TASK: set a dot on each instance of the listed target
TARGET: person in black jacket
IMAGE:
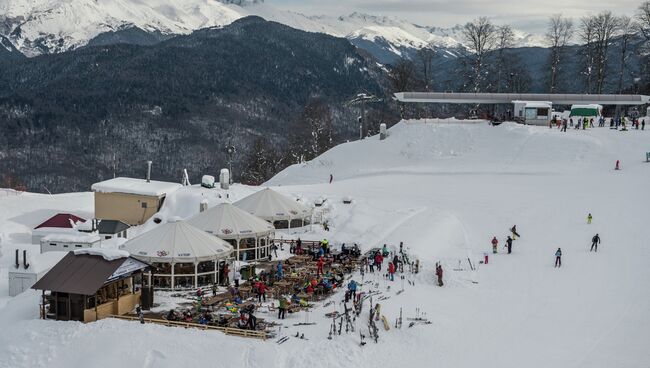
(509, 244)
(594, 243)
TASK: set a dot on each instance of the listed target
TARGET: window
(65, 245)
(53, 244)
(107, 237)
(78, 245)
(144, 204)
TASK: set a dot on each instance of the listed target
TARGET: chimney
(25, 259)
(17, 262)
(149, 171)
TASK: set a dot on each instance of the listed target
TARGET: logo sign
(162, 253)
(226, 231)
(183, 255)
(293, 212)
(245, 231)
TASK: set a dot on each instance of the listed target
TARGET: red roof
(61, 220)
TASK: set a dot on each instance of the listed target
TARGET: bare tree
(587, 31)
(481, 36)
(626, 29)
(425, 62)
(505, 39)
(606, 26)
(643, 19)
(558, 36)
(402, 78)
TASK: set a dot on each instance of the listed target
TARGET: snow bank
(107, 254)
(71, 237)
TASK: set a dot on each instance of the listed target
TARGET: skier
(617, 167)
(515, 235)
(558, 257)
(509, 244)
(495, 242)
(594, 243)
(282, 307)
(331, 178)
(391, 271)
(564, 125)
(378, 260)
(226, 275)
(439, 273)
(319, 266)
(237, 277)
(352, 288)
(384, 251)
(589, 218)
(396, 262)
(298, 246)
(261, 291)
(643, 124)
(280, 272)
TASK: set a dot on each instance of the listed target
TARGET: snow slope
(445, 190)
(50, 26)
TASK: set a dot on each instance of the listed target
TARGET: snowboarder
(589, 218)
(282, 307)
(617, 167)
(514, 232)
(439, 273)
(558, 257)
(391, 271)
(509, 244)
(594, 243)
(495, 242)
(331, 178)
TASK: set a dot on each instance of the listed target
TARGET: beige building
(132, 201)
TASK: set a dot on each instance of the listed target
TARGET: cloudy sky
(526, 15)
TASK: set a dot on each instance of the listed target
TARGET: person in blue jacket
(558, 257)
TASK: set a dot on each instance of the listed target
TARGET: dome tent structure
(249, 235)
(183, 255)
(278, 209)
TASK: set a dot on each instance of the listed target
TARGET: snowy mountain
(51, 26)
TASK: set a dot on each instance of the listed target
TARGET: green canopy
(584, 111)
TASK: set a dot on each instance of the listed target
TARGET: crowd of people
(588, 122)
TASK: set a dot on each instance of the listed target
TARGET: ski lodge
(529, 108)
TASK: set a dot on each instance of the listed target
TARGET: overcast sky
(527, 15)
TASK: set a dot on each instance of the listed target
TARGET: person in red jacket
(319, 265)
(378, 260)
(261, 291)
(495, 242)
(391, 271)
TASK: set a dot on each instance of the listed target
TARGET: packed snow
(136, 186)
(444, 190)
(107, 254)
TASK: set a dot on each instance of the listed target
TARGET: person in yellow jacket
(589, 218)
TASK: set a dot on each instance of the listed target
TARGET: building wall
(125, 207)
(58, 246)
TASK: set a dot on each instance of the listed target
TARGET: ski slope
(445, 190)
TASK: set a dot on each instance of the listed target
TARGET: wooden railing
(226, 330)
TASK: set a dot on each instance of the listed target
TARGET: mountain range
(37, 27)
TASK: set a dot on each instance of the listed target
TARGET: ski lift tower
(360, 100)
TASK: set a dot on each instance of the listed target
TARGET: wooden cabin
(91, 284)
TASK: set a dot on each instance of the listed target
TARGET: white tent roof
(177, 242)
(271, 206)
(229, 222)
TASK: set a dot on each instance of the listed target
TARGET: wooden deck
(226, 330)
